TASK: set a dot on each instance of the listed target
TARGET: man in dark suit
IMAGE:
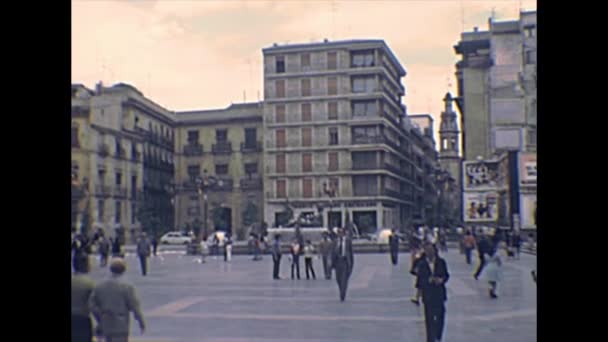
(276, 257)
(342, 261)
(393, 243)
(325, 247)
(432, 276)
(143, 252)
(483, 248)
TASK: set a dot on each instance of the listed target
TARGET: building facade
(335, 135)
(225, 144)
(122, 146)
(450, 161)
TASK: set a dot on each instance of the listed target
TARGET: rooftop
(235, 110)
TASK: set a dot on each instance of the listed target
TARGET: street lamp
(203, 185)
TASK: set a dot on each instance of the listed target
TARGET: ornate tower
(449, 157)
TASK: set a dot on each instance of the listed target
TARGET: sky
(205, 54)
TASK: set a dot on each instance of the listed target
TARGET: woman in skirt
(493, 272)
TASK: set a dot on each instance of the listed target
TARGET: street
(185, 301)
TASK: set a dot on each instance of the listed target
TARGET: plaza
(186, 301)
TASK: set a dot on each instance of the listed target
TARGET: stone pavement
(186, 301)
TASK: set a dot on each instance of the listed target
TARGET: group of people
(335, 250)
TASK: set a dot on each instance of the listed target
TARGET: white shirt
(431, 265)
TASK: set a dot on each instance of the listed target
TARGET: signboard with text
(527, 168)
(480, 206)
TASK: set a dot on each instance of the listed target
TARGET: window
(364, 108)
(118, 148)
(100, 210)
(306, 112)
(133, 186)
(133, 151)
(305, 87)
(334, 183)
(75, 142)
(361, 59)
(363, 84)
(305, 59)
(280, 137)
(307, 188)
(333, 135)
(365, 185)
(530, 31)
(194, 171)
(280, 163)
(279, 111)
(192, 137)
(221, 169)
(280, 64)
(363, 160)
(307, 162)
(250, 137)
(133, 212)
(251, 168)
(221, 135)
(332, 86)
(101, 175)
(117, 212)
(530, 57)
(332, 61)
(365, 134)
(281, 188)
(280, 88)
(118, 178)
(306, 136)
(333, 161)
(332, 111)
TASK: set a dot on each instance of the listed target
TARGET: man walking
(143, 251)
(432, 276)
(104, 251)
(276, 257)
(393, 242)
(342, 261)
(468, 244)
(112, 301)
(325, 247)
(154, 245)
(483, 248)
(82, 288)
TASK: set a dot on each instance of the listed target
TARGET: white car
(175, 238)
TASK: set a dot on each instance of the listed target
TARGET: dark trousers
(326, 267)
(308, 264)
(154, 248)
(434, 315)
(103, 260)
(295, 264)
(482, 264)
(276, 262)
(342, 275)
(467, 253)
(82, 329)
(394, 256)
(143, 261)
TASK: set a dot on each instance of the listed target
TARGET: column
(379, 216)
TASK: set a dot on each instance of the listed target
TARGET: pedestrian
(393, 243)
(483, 247)
(325, 247)
(116, 250)
(493, 271)
(468, 243)
(414, 271)
(432, 276)
(104, 251)
(112, 302)
(154, 245)
(343, 261)
(82, 288)
(460, 232)
(295, 258)
(143, 252)
(415, 246)
(443, 240)
(276, 257)
(228, 249)
(216, 246)
(516, 240)
(309, 252)
(204, 250)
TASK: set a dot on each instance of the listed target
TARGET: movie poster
(528, 211)
(480, 206)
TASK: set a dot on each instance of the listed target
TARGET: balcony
(103, 150)
(364, 166)
(121, 153)
(254, 183)
(193, 150)
(368, 140)
(226, 185)
(251, 148)
(136, 157)
(102, 190)
(391, 193)
(222, 148)
(120, 192)
(392, 168)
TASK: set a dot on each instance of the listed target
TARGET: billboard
(487, 174)
(527, 168)
(528, 211)
(480, 206)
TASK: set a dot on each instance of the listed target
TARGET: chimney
(475, 29)
(98, 88)
(325, 40)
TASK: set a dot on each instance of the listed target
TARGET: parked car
(175, 238)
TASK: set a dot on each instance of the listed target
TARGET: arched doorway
(222, 219)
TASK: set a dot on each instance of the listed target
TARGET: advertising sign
(527, 168)
(481, 206)
(528, 211)
(484, 174)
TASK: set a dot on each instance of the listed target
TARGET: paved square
(185, 301)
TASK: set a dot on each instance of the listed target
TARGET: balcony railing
(226, 185)
(391, 193)
(103, 150)
(120, 192)
(365, 166)
(254, 183)
(102, 190)
(222, 148)
(255, 147)
(392, 168)
(193, 150)
(377, 139)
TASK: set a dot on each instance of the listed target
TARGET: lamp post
(203, 185)
(330, 191)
